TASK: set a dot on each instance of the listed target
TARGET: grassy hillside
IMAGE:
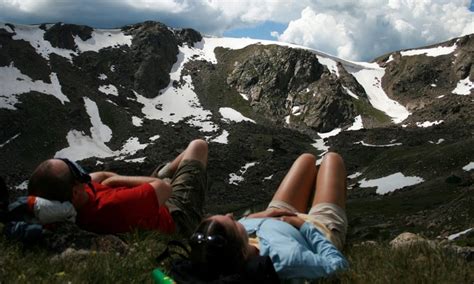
(370, 263)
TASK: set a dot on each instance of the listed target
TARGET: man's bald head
(52, 180)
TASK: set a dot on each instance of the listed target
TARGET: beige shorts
(329, 218)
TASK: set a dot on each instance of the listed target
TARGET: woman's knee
(307, 158)
(333, 157)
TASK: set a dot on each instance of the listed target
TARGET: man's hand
(271, 213)
(295, 221)
(162, 189)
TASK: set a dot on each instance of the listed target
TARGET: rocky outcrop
(154, 49)
(424, 84)
(289, 84)
(63, 35)
(188, 36)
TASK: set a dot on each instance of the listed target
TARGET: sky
(351, 29)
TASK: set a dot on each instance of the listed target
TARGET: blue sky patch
(260, 31)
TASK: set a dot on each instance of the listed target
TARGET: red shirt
(121, 209)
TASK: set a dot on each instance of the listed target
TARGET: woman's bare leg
(298, 184)
(331, 181)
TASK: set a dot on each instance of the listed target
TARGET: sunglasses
(213, 240)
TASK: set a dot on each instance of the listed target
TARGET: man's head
(54, 179)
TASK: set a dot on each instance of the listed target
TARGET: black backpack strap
(168, 252)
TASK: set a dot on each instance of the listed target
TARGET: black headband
(77, 171)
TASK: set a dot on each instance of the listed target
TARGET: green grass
(365, 109)
(368, 264)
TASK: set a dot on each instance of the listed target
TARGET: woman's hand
(295, 221)
(273, 212)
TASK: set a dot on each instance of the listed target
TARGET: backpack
(257, 270)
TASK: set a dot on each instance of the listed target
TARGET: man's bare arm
(162, 189)
(99, 177)
(127, 181)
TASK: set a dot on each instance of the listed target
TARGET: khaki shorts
(329, 218)
(186, 203)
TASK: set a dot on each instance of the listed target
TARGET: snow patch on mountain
(103, 39)
(155, 137)
(429, 123)
(433, 52)
(136, 121)
(390, 59)
(380, 145)
(177, 104)
(230, 114)
(82, 146)
(136, 160)
(320, 144)
(9, 140)
(35, 36)
(441, 140)
(330, 64)
(109, 90)
(464, 87)
(371, 81)
(100, 39)
(391, 183)
(236, 178)
(14, 83)
(350, 93)
(469, 167)
(222, 139)
(131, 147)
(357, 123)
(452, 237)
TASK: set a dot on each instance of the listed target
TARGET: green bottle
(161, 278)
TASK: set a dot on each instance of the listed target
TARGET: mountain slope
(126, 100)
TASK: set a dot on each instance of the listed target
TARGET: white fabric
(49, 211)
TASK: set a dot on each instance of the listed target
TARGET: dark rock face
(154, 50)
(424, 84)
(62, 35)
(188, 36)
(284, 82)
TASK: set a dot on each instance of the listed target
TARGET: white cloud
(362, 30)
(357, 30)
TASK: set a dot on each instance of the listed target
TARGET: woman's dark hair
(220, 252)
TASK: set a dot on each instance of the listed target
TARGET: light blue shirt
(303, 253)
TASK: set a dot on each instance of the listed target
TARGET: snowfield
(391, 183)
(14, 83)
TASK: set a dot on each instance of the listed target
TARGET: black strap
(168, 252)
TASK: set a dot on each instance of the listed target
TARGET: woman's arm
(324, 256)
(272, 212)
